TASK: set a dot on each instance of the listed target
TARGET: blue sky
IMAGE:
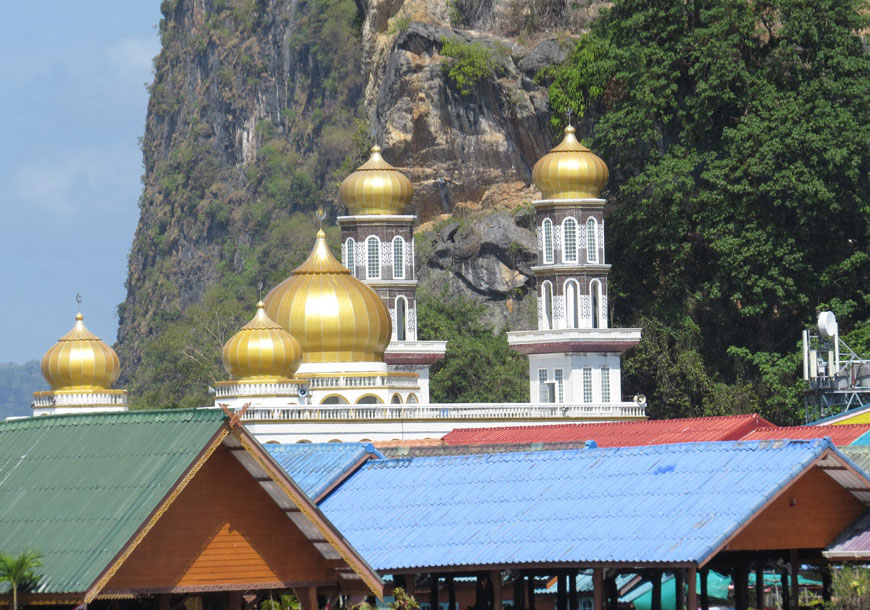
(73, 104)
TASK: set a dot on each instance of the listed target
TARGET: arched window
(595, 301)
(373, 258)
(547, 304)
(547, 237)
(369, 399)
(396, 400)
(569, 240)
(334, 400)
(398, 258)
(401, 318)
(350, 255)
(591, 240)
(412, 399)
(572, 304)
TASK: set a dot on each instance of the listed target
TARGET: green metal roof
(860, 455)
(75, 488)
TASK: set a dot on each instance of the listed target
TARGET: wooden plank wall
(808, 515)
(222, 530)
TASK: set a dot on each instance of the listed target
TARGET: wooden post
(519, 591)
(705, 600)
(741, 584)
(234, 600)
(411, 585)
(496, 584)
(598, 589)
(451, 594)
(307, 597)
(786, 602)
(827, 582)
(163, 601)
(572, 591)
(795, 566)
(434, 601)
(759, 585)
(561, 592)
(531, 587)
(612, 593)
(680, 588)
(656, 603)
(692, 596)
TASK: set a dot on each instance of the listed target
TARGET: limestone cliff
(259, 107)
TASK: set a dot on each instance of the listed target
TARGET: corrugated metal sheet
(859, 455)
(854, 543)
(839, 435)
(672, 503)
(76, 487)
(315, 467)
(617, 434)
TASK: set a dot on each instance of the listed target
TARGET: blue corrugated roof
(317, 466)
(665, 503)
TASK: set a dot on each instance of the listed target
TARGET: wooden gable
(223, 532)
(808, 514)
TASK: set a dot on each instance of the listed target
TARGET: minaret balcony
(567, 340)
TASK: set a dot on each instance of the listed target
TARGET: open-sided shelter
(511, 517)
(143, 505)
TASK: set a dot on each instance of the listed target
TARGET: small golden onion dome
(336, 317)
(80, 362)
(570, 171)
(261, 351)
(376, 187)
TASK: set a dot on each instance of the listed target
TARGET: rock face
(258, 109)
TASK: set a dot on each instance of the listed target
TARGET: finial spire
(78, 303)
(568, 114)
(260, 290)
(321, 215)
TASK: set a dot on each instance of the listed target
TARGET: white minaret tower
(573, 356)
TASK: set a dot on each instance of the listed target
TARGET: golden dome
(376, 187)
(335, 316)
(261, 351)
(80, 362)
(570, 171)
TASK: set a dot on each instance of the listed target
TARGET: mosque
(332, 354)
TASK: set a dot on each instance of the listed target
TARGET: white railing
(45, 400)
(447, 411)
(228, 389)
(364, 381)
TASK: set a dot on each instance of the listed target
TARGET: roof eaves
(350, 555)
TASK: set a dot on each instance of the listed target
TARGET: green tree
(479, 365)
(19, 571)
(738, 138)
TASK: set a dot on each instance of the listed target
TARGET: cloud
(133, 55)
(82, 179)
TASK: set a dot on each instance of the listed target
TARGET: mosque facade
(332, 353)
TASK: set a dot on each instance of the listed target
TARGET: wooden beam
(759, 585)
(656, 603)
(451, 594)
(561, 592)
(786, 603)
(573, 602)
(496, 583)
(794, 565)
(434, 602)
(598, 589)
(827, 582)
(307, 597)
(531, 587)
(692, 596)
(705, 599)
(680, 588)
(519, 591)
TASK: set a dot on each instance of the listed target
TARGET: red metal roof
(618, 434)
(839, 435)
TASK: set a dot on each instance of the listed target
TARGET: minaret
(573, 356)
(378, 248)
(80, 369)
(261, 359)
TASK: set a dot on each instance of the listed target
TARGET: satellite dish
(827, 324)
(640, 399)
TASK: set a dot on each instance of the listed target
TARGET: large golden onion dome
(334, 316)
(376, 187)
(261, 351)
(80, 362)
(570, 171)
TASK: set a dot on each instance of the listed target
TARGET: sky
(72, 109)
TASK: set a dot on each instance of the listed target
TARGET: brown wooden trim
(347, 473)
(254, 586)
(106, 575)
(311, 512)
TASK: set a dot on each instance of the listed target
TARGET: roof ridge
(73, 419)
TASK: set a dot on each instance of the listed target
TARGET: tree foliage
(20, 572)
(738, 138)
(479, 366)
